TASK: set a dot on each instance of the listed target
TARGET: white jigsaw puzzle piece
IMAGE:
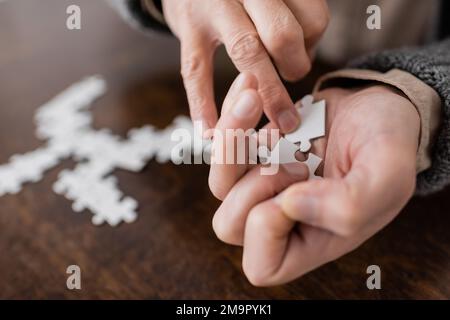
(27, 167)
(312, 125)
(92, 192)
(283, 152)
(313, 162)
(65, 122)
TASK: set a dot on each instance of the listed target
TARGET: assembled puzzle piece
(89, 191)
(313, 163)
(283, 152)
(312, 125)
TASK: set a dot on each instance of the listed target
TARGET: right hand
(260, 37)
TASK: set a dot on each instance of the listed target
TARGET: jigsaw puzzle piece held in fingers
(312, 115)
(283, 152)
(313, 162)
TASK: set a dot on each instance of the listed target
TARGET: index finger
(197, 53)
(247, 52)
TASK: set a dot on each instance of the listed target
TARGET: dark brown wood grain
(171, 250)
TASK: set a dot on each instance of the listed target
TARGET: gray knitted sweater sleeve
(431, 64)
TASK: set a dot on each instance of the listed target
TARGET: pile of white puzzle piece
(65, 123)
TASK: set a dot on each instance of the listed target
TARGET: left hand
(289, 226)
(267, 38)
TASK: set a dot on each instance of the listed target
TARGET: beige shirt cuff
(425, 99)
(149, 5)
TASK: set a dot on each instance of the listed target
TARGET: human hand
(260, 36)
(369, 175)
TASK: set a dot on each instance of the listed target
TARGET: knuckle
(278, 43)
(318, 25)
(226, 231)
(245, 49)
(272, 93)
(282, 36)
(255, 276)
(298, 71)
(256, 218)
(216, 188)
(220, 229)
(191, 65)
(304, 68)
(226, 234)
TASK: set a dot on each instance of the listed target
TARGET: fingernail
(245, 106)
(288, 120)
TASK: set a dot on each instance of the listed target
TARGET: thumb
(375, 187)
(327, 204)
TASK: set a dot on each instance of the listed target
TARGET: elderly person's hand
(289, 226)
(262, 37)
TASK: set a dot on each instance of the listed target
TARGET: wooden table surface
(171, 250)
